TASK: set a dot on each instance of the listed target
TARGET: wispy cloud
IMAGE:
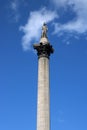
(79, 22)
(32, 29)
(15, 6)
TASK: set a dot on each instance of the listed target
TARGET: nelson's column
(44, 49)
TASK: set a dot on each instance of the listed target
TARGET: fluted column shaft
(43, 112)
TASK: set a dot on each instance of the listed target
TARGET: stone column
(44, 49)
(43, 112)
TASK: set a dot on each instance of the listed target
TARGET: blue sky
(20, 27)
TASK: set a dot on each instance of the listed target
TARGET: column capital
(43, 50)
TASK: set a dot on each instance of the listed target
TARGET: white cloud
(59, 3)
(14, 6)
(79, 23)
(32, 30)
